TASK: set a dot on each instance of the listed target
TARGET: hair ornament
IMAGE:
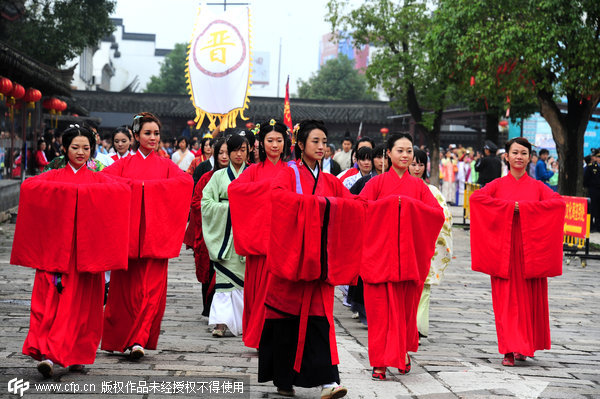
(256, 129)
(207, 135)
(136, 126)
(295, 133)
(75, 125)
(272, 122)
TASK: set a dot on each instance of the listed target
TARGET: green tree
(402, 66)
(171, 78)
(336, 80)
(533, 49)
(55, 31)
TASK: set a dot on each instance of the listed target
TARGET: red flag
(287, 115)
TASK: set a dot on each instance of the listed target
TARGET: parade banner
(287, 114)
(576, 217)
(218, 66)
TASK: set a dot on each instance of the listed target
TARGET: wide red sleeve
(195, 221)
(402, 239)
(165, 211)
(250, 207)
(295, 240)
(491, 229)
(44, 232)
(345, 229)
(420, 225)
(542, 227)
(102, 226)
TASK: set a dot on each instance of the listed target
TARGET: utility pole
(279, 68)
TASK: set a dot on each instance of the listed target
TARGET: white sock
(330, 385)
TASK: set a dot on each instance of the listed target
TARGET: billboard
(261, 61)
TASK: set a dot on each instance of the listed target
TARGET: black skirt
(277, 352)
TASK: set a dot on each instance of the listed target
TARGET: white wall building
(122, 61)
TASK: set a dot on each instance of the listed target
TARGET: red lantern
(191, 123)
(6, 86)
(61, 106)
(384, 130)
(249, 125)
(17, 91)
(32, 96)
(54, 104)
(472, 80)
(503, 123)
(47, 103)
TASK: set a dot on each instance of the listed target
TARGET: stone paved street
(459, 359)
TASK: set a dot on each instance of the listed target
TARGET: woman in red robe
(205, 272)
(394, 275)
(297, 345)
(70, 241)
(161, 194)
(121, 140)
(520, 221)
(249, 204)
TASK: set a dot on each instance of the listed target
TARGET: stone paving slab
(459, 359)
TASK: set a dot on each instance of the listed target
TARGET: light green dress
(441, 258)
(227, 305)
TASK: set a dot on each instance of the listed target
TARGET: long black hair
(305, 127)
(217, 144)
(420, 156)
(273, 126)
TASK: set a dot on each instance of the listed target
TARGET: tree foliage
(171, 78)
(55, 31)
(336, 80)
(522, 50)
(402, 65)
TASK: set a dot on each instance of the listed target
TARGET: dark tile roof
(161, 52)
(260, 108)
(147, 37)
(30, 73)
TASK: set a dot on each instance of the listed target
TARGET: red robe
(396, 262)
(250, 207)
(70, 226)
(303, 272)
(350, 172)
(527, 248)
(160, 205)
(193, 235)
(115, 157)
(40, 160)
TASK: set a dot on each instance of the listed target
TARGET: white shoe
(334, 392)
(355, 315)
(137, 352)
(46, 368)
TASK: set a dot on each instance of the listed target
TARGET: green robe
(216, 229)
